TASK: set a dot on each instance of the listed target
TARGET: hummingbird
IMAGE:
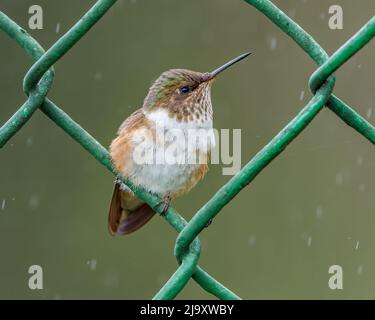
(179, 99)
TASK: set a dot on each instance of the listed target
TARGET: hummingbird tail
(132, 221)
(127, 214)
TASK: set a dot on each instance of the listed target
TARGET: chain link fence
(39, 80)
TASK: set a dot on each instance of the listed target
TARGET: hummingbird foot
(208, 223)
(166, 202)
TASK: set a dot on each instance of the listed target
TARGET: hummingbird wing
(127, 213)
(115, 210)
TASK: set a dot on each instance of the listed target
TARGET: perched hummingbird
(179, 99)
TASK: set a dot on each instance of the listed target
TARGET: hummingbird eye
(184, 89)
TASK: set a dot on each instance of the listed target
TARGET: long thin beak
(228, 64)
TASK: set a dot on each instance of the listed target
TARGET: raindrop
(362, 187)
(34, 202)
(58, 28)
(3, 204)
(357, 245)
(252, 240)
(272, 43)
(92, 264)
(322, 15)
(302, 95)
(319, 212)
(360, 269)
(369, 113)
(339, 179)
(359, 160)
(309, 240)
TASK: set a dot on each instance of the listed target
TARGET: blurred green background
(313, 207)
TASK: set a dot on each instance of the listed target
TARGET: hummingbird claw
(166, 202)
(208, 223)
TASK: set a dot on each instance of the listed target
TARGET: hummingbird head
(184, 94)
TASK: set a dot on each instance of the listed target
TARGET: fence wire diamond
(39, 79)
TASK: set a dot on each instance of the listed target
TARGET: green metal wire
(316, 52)
(12, 126)
(279, 142)
(351, 47)
(38, 91)
(39, 78)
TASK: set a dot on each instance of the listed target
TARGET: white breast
(176, 157)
